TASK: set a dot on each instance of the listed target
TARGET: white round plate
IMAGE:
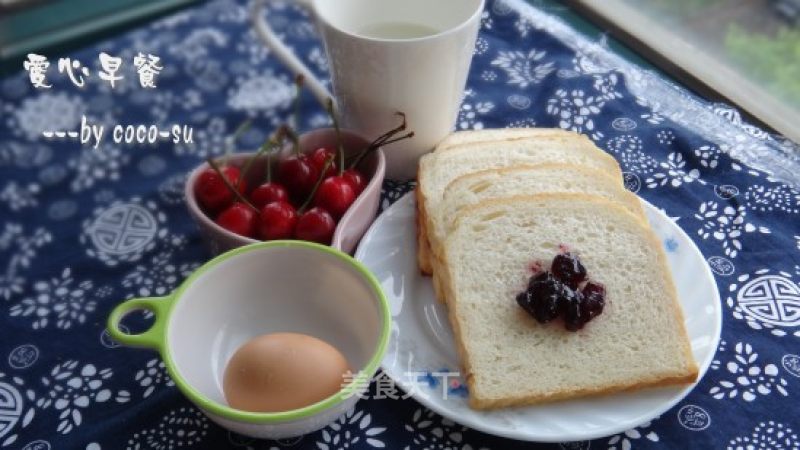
(422, 356)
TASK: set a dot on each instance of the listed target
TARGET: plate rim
(515, 433)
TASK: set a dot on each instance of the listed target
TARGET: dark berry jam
(568, 268)
(545, 297)
(555, 293)
(594, 300)
(574, 319)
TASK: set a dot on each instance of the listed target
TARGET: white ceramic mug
(387, 56)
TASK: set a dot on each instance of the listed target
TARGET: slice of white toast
(476, 187)
(511, 359)
(502, 134)
(460, 138)
(438, 169)
(556, 178)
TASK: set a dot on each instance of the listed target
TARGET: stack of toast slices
(492, 203)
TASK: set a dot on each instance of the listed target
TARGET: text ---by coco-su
(94, 134)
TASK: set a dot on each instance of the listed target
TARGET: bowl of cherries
(322, 186)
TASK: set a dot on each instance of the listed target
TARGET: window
(748, 51)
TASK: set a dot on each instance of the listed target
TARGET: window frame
(689, 64)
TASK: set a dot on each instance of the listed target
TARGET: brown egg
(283, 371)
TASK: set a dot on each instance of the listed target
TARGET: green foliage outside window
(771, 60)
(679, 9)
(768, 53)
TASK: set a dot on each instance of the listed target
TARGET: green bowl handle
(152, 338)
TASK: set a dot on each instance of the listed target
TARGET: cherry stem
(339, 145)
(298, 82)
(290, 133)
(408, 135)
(269, 167)
(384, 139)
(228, 184)
(386, 142)
(325, 168)
(240, 130)
(273, 144)
(380, 140)
(266, 147)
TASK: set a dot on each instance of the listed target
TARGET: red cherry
(320, 156)
(335, 195)
(356, 179)
(277, 221)
(268, 193)
(315, 225)
(298, 175)
(211, 192)
(238, 218)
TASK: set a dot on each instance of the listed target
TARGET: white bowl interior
(268, 290)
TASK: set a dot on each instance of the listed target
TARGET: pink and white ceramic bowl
(352, 225)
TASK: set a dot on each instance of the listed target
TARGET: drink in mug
(387, 56)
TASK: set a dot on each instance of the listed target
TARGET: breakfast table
(82, 228)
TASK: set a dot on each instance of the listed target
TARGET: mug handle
(289, 59)
(153, 338)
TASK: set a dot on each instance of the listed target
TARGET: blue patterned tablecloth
(82, 229)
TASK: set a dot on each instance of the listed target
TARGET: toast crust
(543, 165)
(630, 200)
(578, 140)
(658, 380)
(430, 246)
(489, 404)
(480, 137)
(423, 246)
